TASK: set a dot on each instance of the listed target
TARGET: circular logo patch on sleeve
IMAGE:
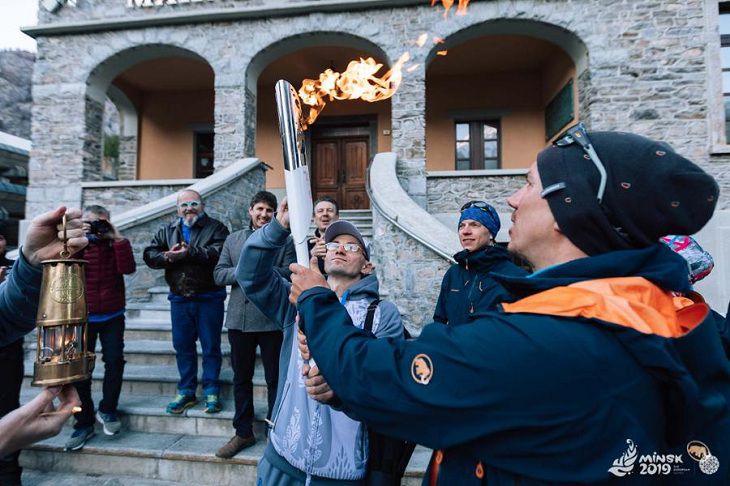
(422, 369)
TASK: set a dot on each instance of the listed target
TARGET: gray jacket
(312, 437)
(242, 315)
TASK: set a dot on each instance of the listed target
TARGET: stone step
(160, 380)
(146, 413)
(159, 352)
(148, 311)
(33, 477)
(186, 459)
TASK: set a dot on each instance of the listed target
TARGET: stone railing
(226, 195)
(411, 249)
(449, 190)
(119, 196)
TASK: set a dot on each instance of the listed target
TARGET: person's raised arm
(20, 292)
(255, 273)
(450, 386)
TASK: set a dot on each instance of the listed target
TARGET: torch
(296, 169)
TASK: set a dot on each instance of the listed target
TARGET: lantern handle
(65, 253)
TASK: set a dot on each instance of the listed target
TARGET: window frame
(476, 141)
(197, 167)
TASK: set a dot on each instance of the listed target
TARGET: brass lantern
(62, 356)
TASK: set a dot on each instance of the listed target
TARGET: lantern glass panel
(52, 342)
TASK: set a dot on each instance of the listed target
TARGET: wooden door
(339, 167)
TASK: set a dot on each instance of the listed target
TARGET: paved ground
(38, 478)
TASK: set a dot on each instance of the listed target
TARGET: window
(203, 155)
(725, 59)
(477, 145)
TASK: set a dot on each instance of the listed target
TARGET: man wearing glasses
(188, 250)
(309, 442)
(594, 369)
(467, 287)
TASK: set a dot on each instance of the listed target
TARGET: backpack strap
(370, 317)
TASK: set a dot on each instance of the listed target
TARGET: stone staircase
(155, 446)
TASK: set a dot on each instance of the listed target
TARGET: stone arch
(99, 86)
(288, 45)
(568, 41)
(103, 73)
(301, 56)
(503, 75)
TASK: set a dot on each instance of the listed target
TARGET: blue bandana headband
(488, 217)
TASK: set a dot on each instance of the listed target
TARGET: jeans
(243, 362)
(111, 335)
(11, 379)
(192, 320)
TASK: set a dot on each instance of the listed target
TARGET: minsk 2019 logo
(625, 464)
(664, 464)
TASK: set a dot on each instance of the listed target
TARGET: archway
(503, 91)
(346, 135)
(165, 99)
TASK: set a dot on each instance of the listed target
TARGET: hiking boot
(234, 446)
(79, 437)
(212, 404)
(181, 403)
(110, 421)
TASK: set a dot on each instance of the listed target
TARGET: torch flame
(358, 81)
(460, 10)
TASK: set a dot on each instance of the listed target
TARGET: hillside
(16, 71)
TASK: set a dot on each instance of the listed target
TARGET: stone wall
(446, 194)
(229, 205)
(119, 198)
(409, 273)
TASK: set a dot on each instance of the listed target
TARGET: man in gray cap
(311, 443)
(592, 373)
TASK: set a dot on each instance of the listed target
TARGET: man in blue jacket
(592, 374)
(467, 287)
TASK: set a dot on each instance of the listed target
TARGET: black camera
(99, 227)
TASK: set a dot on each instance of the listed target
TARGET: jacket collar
(482, 259)
(656, 263)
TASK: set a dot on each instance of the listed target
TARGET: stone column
(60, 149)
(233, 130)
(408, 107)
(127, 158)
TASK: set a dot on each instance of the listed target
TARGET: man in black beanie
(594, 372)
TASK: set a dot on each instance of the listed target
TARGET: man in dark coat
(467, 287)
(248, 327)
(109, 256)
(592, 374)
(188, 250)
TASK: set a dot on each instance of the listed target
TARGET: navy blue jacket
(540, 396)
(467, 287)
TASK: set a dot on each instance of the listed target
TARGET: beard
(189, 222)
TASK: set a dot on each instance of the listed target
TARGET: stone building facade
(652, 68)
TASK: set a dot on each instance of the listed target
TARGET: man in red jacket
(109, 257)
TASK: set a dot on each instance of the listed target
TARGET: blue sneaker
(79, 437)
(212, 404)
(110, 421)
(181, 403)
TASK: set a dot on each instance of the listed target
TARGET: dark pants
(11, 379)
(192, 320)
(243, 362)
(111, 335)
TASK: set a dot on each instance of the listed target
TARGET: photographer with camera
(109, 257)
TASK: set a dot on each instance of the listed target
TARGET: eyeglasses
(577, 134)
(333, 246)
(476, 204)
(189, 204)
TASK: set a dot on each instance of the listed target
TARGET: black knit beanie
(651, 191)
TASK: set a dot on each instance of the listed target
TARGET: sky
(13, 15)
